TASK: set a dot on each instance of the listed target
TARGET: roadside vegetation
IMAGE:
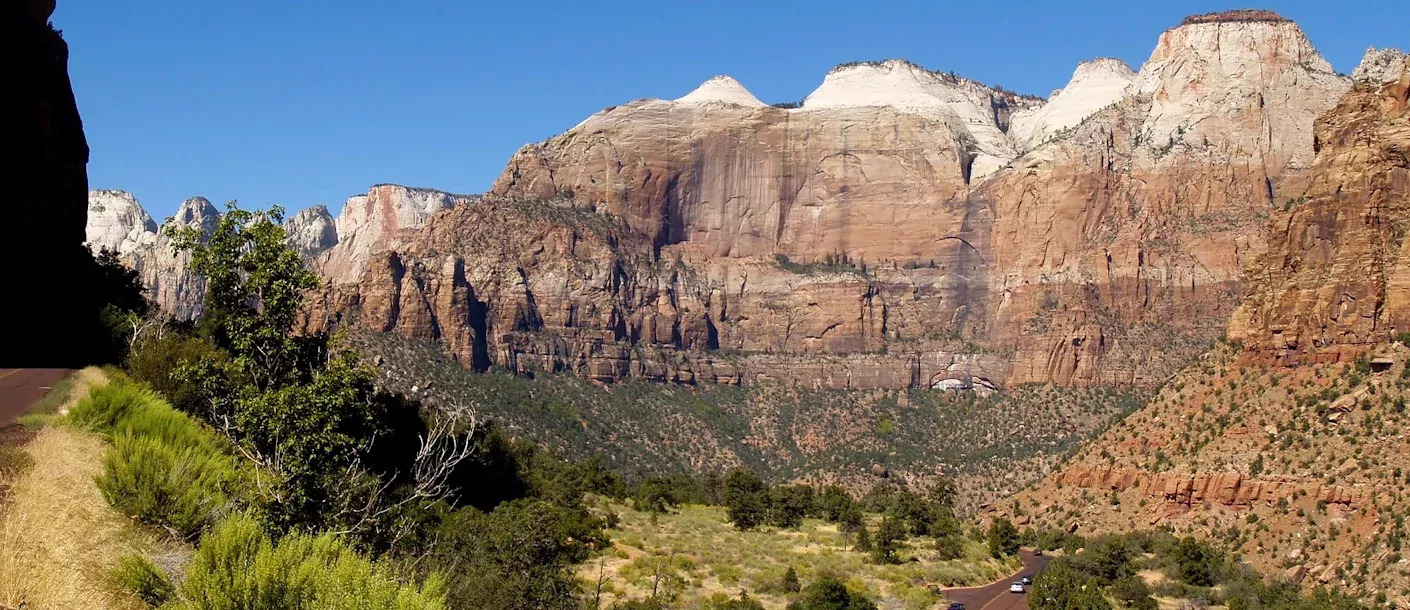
(1148, 570)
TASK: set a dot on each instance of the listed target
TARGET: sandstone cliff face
(1099, 237)
(383, 218)
(1336, 276)
(554, 287)
(312, 232)
(1127, 236)
(116, 221)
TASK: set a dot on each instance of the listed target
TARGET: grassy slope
(58, 536)
(992, 445)
(707, 556)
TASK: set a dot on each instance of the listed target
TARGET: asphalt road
(19, 388)
(996, 596)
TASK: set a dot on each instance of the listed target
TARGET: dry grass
(58, 537)
(694, 554)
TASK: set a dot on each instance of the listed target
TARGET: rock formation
(379, 220)
(44, 158)
(1336, 275)
(383, 218)
(1095, 85)
(312, 231)
(1097, 237)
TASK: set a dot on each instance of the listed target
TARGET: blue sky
(309, 101)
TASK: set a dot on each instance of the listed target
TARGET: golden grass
(59, 538)
(699, 555)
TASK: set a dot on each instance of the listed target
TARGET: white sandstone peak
(1381, 66)
(1095, 84)
(721, 89)
(1232, 67)
(197, 212)
(904, 86)
(116, 221)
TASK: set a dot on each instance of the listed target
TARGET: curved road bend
(996, 596)
(19, 388)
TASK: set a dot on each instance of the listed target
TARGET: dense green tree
(1109, 558)
(828, 593)
(887, 543)
(746, 498)
(1060, 586)
(516, 556)
(790, 580)
(1198, 563)
(1003, 538)
(1133, 592)
(788, 504)
(833, 502)
(949, 537)
(654, 495)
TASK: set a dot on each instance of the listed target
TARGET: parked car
(1026, 580)
(1037, 552)
(956, 606)
(1017, 587)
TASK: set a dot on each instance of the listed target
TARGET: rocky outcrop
(383, 218)
(49, 303)
(312, 231)
(556, 287)
(1097, 238)
(1127, 236)
(1228, 489)
(117, 222)
(1095, 85)
(1336, 276)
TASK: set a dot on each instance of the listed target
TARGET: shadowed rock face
(45, 157)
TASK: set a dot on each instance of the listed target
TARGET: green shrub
(165, 468)
(140, 575)
(108, 404)
(236, 566)
(828, 593)
(183, 488)
(156, 361)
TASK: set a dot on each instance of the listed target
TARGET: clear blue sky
(309, 101)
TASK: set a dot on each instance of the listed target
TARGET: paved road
(19, 388)
(996, 596)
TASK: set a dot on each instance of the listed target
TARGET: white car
(1016, 587)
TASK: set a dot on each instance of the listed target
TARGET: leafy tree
(345, 456)
(944, 492)
(654, 496)
(1003, 538)
(1109, 558)
(787, 504)
(255, 285)
(790, 580)
(516, 556)
(949, 537)
(886, 545)
(1134, 593)
(828, 593)
(833, 502)
(745, 497)
(1198, 563)
(1060, 586)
